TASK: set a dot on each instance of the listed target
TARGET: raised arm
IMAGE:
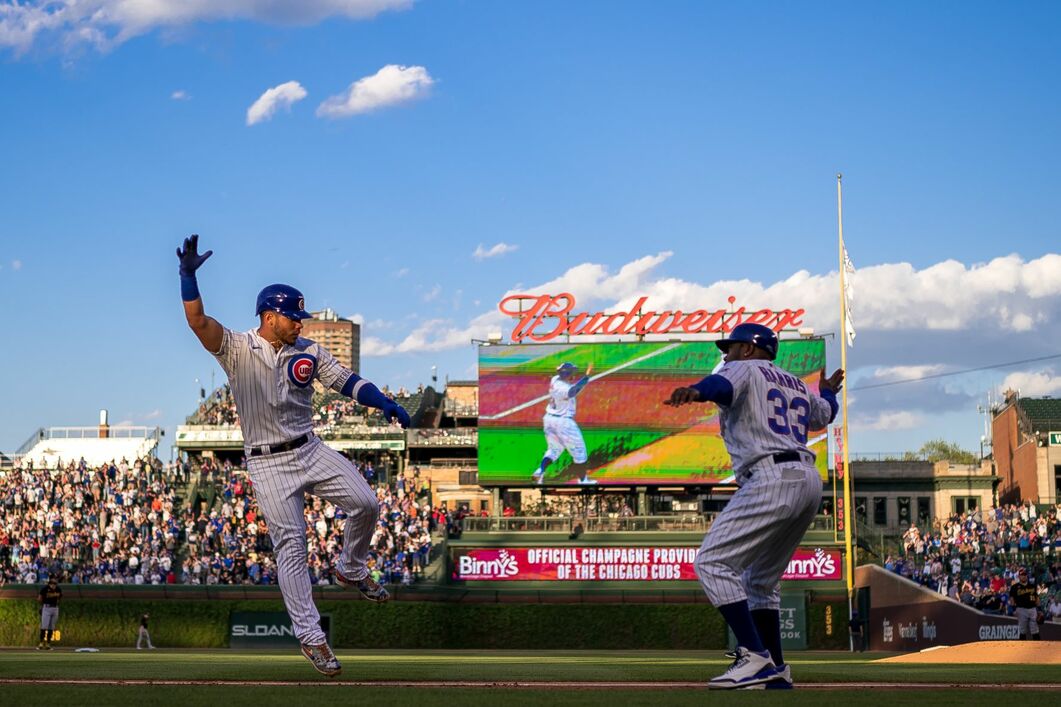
(577, 387)
(207, 329)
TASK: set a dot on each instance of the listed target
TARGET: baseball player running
(1024, 597)
(765, 416)
(561, 430)
(270, 370)
(49, 597)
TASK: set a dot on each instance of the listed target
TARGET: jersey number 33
(787, 416)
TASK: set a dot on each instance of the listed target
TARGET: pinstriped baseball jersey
(273, 389)
(772, 411)
(559, 401)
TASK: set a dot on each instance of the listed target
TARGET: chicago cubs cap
(284, 300)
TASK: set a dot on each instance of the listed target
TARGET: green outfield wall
(183, 623)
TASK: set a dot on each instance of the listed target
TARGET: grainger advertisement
(616, 420)
(610, 564)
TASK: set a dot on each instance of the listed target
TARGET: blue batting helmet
(284, 300)
(755, 334)
(566, 369)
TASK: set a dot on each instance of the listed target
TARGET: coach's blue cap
(284, 300)
(755, 334)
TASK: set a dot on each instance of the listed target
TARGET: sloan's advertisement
(610, 564)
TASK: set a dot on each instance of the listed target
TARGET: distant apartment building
(341, 337)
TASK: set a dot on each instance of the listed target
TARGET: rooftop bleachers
(60, 445)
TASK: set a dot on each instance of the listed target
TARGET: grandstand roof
(1043, 413)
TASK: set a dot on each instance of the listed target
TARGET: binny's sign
(595, 564)
(543, 318)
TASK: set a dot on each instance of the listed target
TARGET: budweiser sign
(545, 317)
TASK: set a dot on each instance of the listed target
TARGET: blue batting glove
(394, 410)
(190, 258)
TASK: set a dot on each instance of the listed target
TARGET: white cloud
(890, 421)
(1032, 384)
(107, 23)
(180, 95)
(906, 373)
(402, 272)
(154, 414)
(948, 297)
(16, 265)
(433, 293)
(389, 86)
(282, 96)
(493, 251)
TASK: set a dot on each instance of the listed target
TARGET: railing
(605, 524)
(123, 432)
(358, 432)
(455, 409)
(565, 524)
(457, 437)
(30, 443)
(888, 457)
(461, 463)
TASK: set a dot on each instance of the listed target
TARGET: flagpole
(849, 558)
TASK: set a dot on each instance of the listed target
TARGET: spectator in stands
(111, 524)
(976, 557)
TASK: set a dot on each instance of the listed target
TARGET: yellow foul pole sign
(849, 558)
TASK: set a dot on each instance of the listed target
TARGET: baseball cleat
(748, 669)
(369, 588)
(323, 659)
(783, 681)
(586, 481)
(538, 476)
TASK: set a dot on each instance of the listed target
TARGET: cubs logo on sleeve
(301, 369)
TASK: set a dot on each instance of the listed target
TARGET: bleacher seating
(53, 452)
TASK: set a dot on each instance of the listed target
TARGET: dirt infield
(529, 685)
(993, 652)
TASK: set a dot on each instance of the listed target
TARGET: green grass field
(809, 669)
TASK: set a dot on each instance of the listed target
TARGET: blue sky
(584, 134)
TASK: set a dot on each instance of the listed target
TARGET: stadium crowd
(975, 557)
(330, 409)
(113, 524)
(229, 544)
(124, 523)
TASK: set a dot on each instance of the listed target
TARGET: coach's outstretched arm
(209, 332)
(714, 388)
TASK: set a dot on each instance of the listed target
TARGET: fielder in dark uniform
(49, 598)
(1024, 595)
(144, 634)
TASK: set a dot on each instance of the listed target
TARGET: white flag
(849, 294)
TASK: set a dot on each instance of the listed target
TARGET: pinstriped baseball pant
(750, 543)
(280, 483)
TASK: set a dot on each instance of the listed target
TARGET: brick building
(1026, 439)
(341, 337)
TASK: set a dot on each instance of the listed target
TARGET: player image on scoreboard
(571, 414)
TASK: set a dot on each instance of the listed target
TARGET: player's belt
(277, 448)
(784, 457)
